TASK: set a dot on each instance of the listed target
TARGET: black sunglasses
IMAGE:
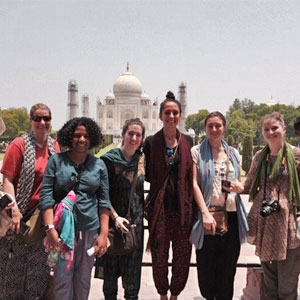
(39, 118)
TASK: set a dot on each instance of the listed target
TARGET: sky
(221, 50)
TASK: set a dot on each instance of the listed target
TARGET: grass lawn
(107, 148)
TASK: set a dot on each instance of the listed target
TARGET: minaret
(73, 105)
(182, 100)
(85, 105)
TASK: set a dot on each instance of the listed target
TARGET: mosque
(126, 101)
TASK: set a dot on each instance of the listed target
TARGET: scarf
(294, 188)
(116, 156)
(206, 175)
(26, 180)
(157, 170)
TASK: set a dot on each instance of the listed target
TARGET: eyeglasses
(40, 118)
(77, 136)
(170, 153)
(168, 112)
(132, 134)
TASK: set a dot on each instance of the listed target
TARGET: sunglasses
(170, 153)
(39, 118)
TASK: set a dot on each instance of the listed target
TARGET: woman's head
(215, 125)
(40, 118)
(133, 133)
(170, 110)
(273, 127)
(80, 129)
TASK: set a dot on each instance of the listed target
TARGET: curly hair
(65, 134)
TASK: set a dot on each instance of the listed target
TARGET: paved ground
(191, 291)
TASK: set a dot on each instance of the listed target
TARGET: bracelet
(116, 218)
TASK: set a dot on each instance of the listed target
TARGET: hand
(101, 244)
(16, 217)
(120, 224)
(235, 187)
(53, 238)
(209, 222)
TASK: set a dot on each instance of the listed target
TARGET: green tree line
(243, 118)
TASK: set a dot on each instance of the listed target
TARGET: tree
(16, 121)
(230, 140)
(196, 121)
(247, 153)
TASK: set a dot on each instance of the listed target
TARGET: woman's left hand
(235, 187)
(101, 244)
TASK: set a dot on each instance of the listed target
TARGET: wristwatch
(49, 227)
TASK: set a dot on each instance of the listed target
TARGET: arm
(8, 187)
(119, 221)
(101, 242)
(47, 202)
(104, 211)
(208, 220)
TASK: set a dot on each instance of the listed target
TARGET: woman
(63, 171)
(122, 163)
(23, 270)
(170, 209)
(274, 175)
(217, 253)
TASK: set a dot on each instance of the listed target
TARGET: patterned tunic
(274, 234)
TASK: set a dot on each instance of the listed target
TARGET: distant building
(182, 99)
(271, 102)
(125, 102)
(85, 105)
(73, 106)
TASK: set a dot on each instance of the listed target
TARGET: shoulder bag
(123, 243)
(220, 213)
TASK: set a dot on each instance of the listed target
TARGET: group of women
(189, 187)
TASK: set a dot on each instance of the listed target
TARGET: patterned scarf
(26, 180)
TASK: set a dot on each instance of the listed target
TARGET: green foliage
(16, 121)
(230, 140)
(247, 153)
(196, 121)
(196, 139)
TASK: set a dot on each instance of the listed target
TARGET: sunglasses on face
(39, 118)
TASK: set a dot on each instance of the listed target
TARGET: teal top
(92, 191)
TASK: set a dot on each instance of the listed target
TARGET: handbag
(220, 213)
(124, 243)
(34, 220)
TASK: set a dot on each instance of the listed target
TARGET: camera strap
(227, 172)
(283, 161)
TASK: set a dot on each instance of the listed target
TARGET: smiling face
(214, 128)
(133, 138)
(41, 121)
(170, 115)
(81, 140)
(273, 131)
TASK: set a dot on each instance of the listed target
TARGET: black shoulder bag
(124, 243)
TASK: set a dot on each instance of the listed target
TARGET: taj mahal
(126, 101)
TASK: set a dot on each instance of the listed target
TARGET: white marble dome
(127, 85)
(110, 95)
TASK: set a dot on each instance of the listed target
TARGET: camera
(269, 206)
(226, 183)
(5, 200)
